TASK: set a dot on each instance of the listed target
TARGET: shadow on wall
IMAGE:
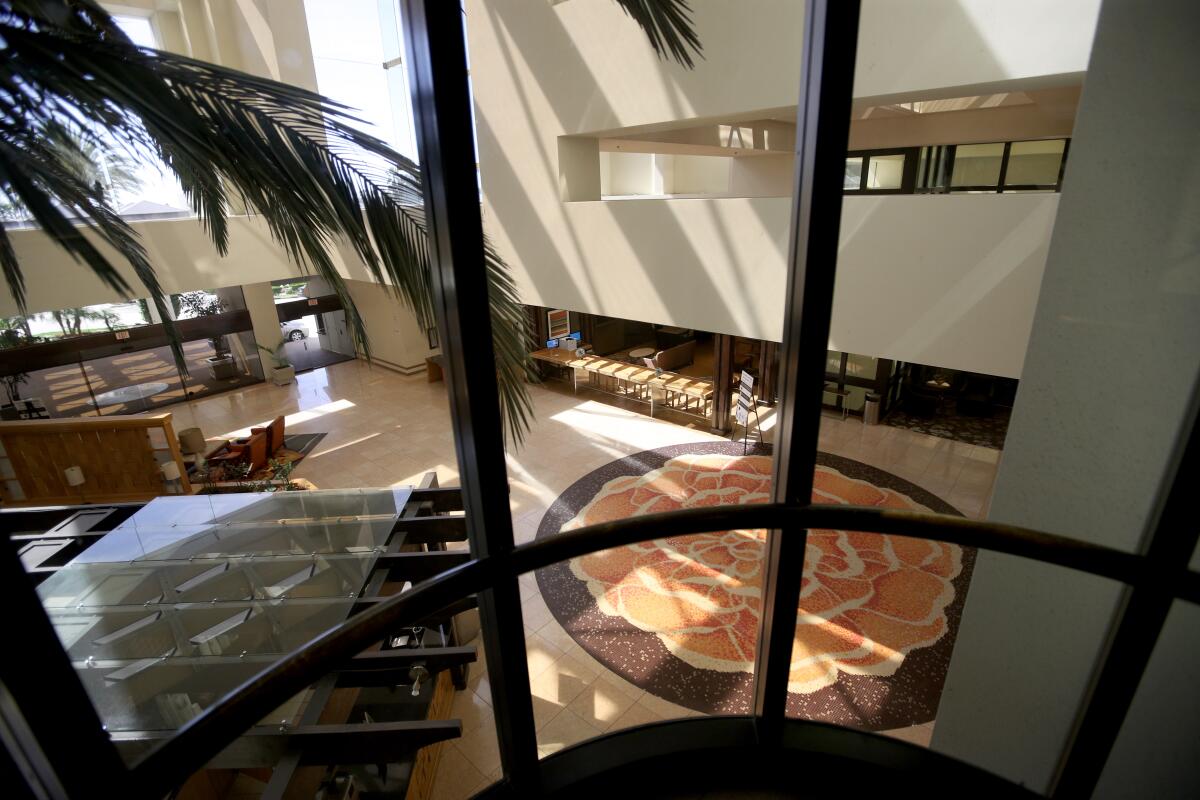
(693, 264)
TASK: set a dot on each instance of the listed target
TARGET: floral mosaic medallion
(679, 616)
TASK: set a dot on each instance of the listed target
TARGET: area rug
(983, 431)
(679, 616)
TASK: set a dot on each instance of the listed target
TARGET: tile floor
(384, 429)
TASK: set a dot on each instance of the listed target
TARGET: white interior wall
(762, 176)
(264, 320)
(702, 175)
(541, 72)
(944, 280)
(180, 250)
(630, 173)
(396, 337)
(1104, 403)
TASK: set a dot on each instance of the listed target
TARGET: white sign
(745, 398)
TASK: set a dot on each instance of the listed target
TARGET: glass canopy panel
(192, 595)
(229, 509)
(165, 693)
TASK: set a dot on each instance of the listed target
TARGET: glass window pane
(861, 366)
(833, 362)
(853, 179)
(1034, 163)
(885, 172)
(977, 164)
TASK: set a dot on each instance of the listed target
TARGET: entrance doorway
(317, 340)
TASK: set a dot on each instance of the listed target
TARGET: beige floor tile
(540, 654)
(917, 734)
(536, 613)
(481, 749)
(473, 710)
(457, 776)
(602, 702)
(554, 633)
(562, 681)
(664, 708)
(637, 714)
(564, 730)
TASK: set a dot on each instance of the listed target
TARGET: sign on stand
(745, 398)
(745, 405)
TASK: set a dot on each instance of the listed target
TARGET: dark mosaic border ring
(909, 697)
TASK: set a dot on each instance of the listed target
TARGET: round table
(641, 352)
(127, 394)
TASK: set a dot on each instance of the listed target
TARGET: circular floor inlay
(679, 616)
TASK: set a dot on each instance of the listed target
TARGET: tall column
(1112, 364)
(264, 319)
(722, 382)
(768, 372)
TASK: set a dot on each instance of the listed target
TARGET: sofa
(675, 357)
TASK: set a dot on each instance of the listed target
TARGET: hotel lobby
(582, 678)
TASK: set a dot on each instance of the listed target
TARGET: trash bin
(871, 409)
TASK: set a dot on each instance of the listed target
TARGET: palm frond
(668, 26)
(290, 155)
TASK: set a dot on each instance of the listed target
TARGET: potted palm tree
(282, 373)
(291, 156)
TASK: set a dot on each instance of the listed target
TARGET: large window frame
(908, 179)
(935, 170)
(75, 764)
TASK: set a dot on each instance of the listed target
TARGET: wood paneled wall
(121, 459)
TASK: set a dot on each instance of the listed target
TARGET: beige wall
(762, 176)
(397, 339)
(264, 319)
(179, 249)
(945, 280)
(541, 72)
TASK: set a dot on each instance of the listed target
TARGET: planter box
(282, 376)
(222, 368)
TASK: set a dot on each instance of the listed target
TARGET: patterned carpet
(985, 431)
(679, 616)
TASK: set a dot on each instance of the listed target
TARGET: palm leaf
(290, 155)
(668, 26)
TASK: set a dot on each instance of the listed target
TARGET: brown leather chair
(274, 433)
(252, 450)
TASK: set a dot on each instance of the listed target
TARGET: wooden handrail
(83, 424)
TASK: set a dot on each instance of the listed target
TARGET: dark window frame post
(822, 131)
(435, 37)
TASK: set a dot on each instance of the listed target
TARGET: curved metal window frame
(435, 36)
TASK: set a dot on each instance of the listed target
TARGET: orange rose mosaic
(867, 600)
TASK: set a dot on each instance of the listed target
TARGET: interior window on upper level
(885, 172)
(1036, 163)
(977, 165)
(853, 179)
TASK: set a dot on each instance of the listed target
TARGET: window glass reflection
(885, 172)
(1034, 163)
(977, 165)
(853, 178)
